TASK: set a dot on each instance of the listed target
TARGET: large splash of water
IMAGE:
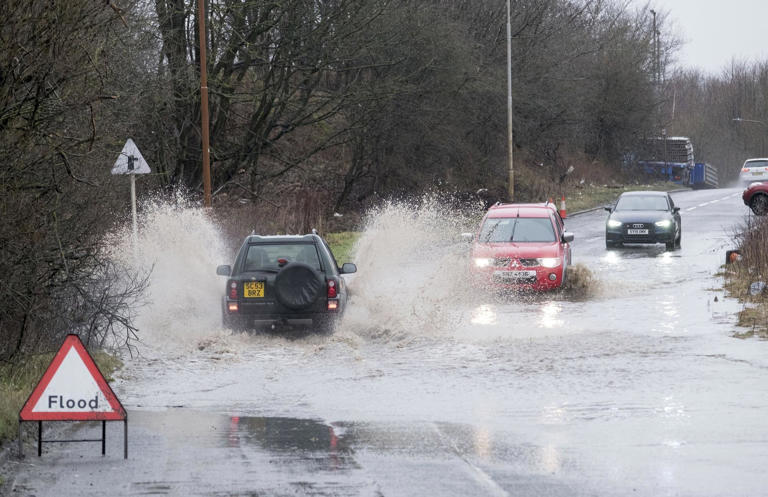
(180, 246)
(413, 269)
(412, 280)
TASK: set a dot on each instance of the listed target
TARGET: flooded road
(634, 387)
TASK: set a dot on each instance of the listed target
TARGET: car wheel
(679, 241)
(759, 204)
(298, 285)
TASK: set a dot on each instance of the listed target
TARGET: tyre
(298, 286)
(759, 204)
(679, 241)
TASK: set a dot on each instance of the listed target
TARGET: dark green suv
(284, 280)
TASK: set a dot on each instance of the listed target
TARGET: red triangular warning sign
(72, 389)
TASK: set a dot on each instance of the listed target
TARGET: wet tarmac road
(636, 388)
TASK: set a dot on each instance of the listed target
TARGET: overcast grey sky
(716, 32)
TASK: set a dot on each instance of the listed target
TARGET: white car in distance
(753, 170)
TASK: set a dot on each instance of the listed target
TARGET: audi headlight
(612, 223)
(483, 261)
(665, 223)
(549, 262)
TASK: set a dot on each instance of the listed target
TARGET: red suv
(521, 246)
(756, 197)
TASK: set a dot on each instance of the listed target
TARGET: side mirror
(609, 208)
(467, 237)
(676, 209)
(567, 237)
(224, 270)
(348, 268)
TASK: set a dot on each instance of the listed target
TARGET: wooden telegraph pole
(510, 145)
(204, 104)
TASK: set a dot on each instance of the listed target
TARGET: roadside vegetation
(743, 277)
(342, 244)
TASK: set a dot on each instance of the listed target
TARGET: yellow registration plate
(253, 289)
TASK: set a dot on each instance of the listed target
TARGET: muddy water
(630, 383)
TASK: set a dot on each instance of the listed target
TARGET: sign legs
(103, 439)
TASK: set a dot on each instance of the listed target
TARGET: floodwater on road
(431, 388)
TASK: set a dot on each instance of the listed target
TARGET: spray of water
(180, 245)
(413, 270)
(412, 279)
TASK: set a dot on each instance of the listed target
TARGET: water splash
(412, 269)
(181, 247)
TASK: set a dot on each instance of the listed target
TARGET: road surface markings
(712, 201)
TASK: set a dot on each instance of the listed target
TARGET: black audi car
(643, 217)
(278, 280)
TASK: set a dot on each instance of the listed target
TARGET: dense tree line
(725, 115)
(347, 99)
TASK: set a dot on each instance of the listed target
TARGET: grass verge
(342, 244)
(17, 381)
(583, 197)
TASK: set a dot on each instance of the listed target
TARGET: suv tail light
(232, 289)
(745, 170)
(332, 292)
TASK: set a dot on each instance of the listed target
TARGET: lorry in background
(671, 159)
(667, 158)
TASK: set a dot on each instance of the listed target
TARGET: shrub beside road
(745, 278)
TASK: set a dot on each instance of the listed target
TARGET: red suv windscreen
(517, 229)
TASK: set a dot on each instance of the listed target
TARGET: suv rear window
(264, 257)
(517, 229)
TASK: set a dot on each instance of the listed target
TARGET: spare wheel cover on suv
(298, 285)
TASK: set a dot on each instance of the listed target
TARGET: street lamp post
(762, 136)
(510, 143)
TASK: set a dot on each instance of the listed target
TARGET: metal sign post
(133, 208)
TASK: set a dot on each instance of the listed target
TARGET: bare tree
(56, 81)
